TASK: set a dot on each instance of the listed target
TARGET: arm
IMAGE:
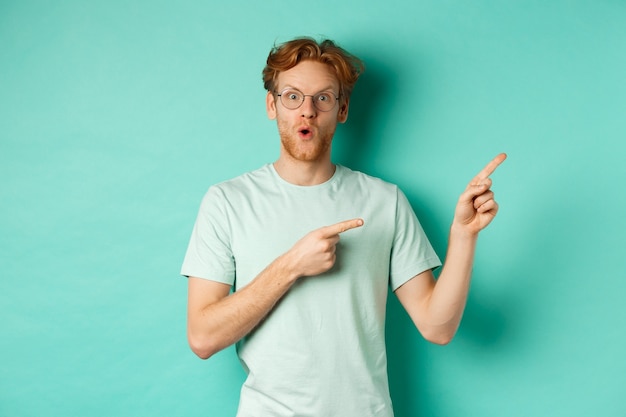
(436, 306)
(216, 320)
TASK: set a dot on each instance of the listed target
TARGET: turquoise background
(116, 116)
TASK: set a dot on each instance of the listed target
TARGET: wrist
(462, 232)
(286, 268)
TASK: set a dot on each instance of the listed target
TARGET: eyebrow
(327, 89)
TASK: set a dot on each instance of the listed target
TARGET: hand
(476, 207)
(314, 254)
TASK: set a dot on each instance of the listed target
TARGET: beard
(311, 150)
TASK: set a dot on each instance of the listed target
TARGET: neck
(304, 173)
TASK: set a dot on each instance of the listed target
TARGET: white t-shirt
(321, 351)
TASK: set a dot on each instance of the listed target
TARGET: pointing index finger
(341, 227)
(489, 168)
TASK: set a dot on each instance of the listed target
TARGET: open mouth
(305, 132)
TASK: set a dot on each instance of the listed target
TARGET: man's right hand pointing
(314, 254)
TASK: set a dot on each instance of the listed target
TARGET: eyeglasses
(293, 99)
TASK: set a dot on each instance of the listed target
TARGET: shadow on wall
(358, 144)
(359, 138)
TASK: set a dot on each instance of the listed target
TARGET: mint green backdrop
(116, 116)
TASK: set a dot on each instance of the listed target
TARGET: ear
(342, 116)
(270, 105)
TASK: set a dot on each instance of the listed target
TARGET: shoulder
(244, 183)
(223, 195)
(368, 182)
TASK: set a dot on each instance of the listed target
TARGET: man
(308, 307)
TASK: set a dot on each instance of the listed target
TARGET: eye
(292, 96)
(324, 97)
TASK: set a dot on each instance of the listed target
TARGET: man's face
(306, 133)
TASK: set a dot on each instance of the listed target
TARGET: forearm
(217, 320)
(449, 295)
(436, 306)
(219, 324)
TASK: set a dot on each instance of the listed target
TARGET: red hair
(346, 67)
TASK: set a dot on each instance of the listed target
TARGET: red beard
(303, 147)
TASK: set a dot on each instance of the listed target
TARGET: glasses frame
(304, 96)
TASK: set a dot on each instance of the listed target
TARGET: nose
(307, 109)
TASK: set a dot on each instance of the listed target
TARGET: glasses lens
(292, 99)
(324, 101)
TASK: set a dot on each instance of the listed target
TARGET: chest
(268, 224)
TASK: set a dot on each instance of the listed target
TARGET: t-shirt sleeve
(411, 252)
(209, 254)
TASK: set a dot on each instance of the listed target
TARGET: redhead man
(292, 262)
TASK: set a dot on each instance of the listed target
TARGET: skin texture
(217, 318)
